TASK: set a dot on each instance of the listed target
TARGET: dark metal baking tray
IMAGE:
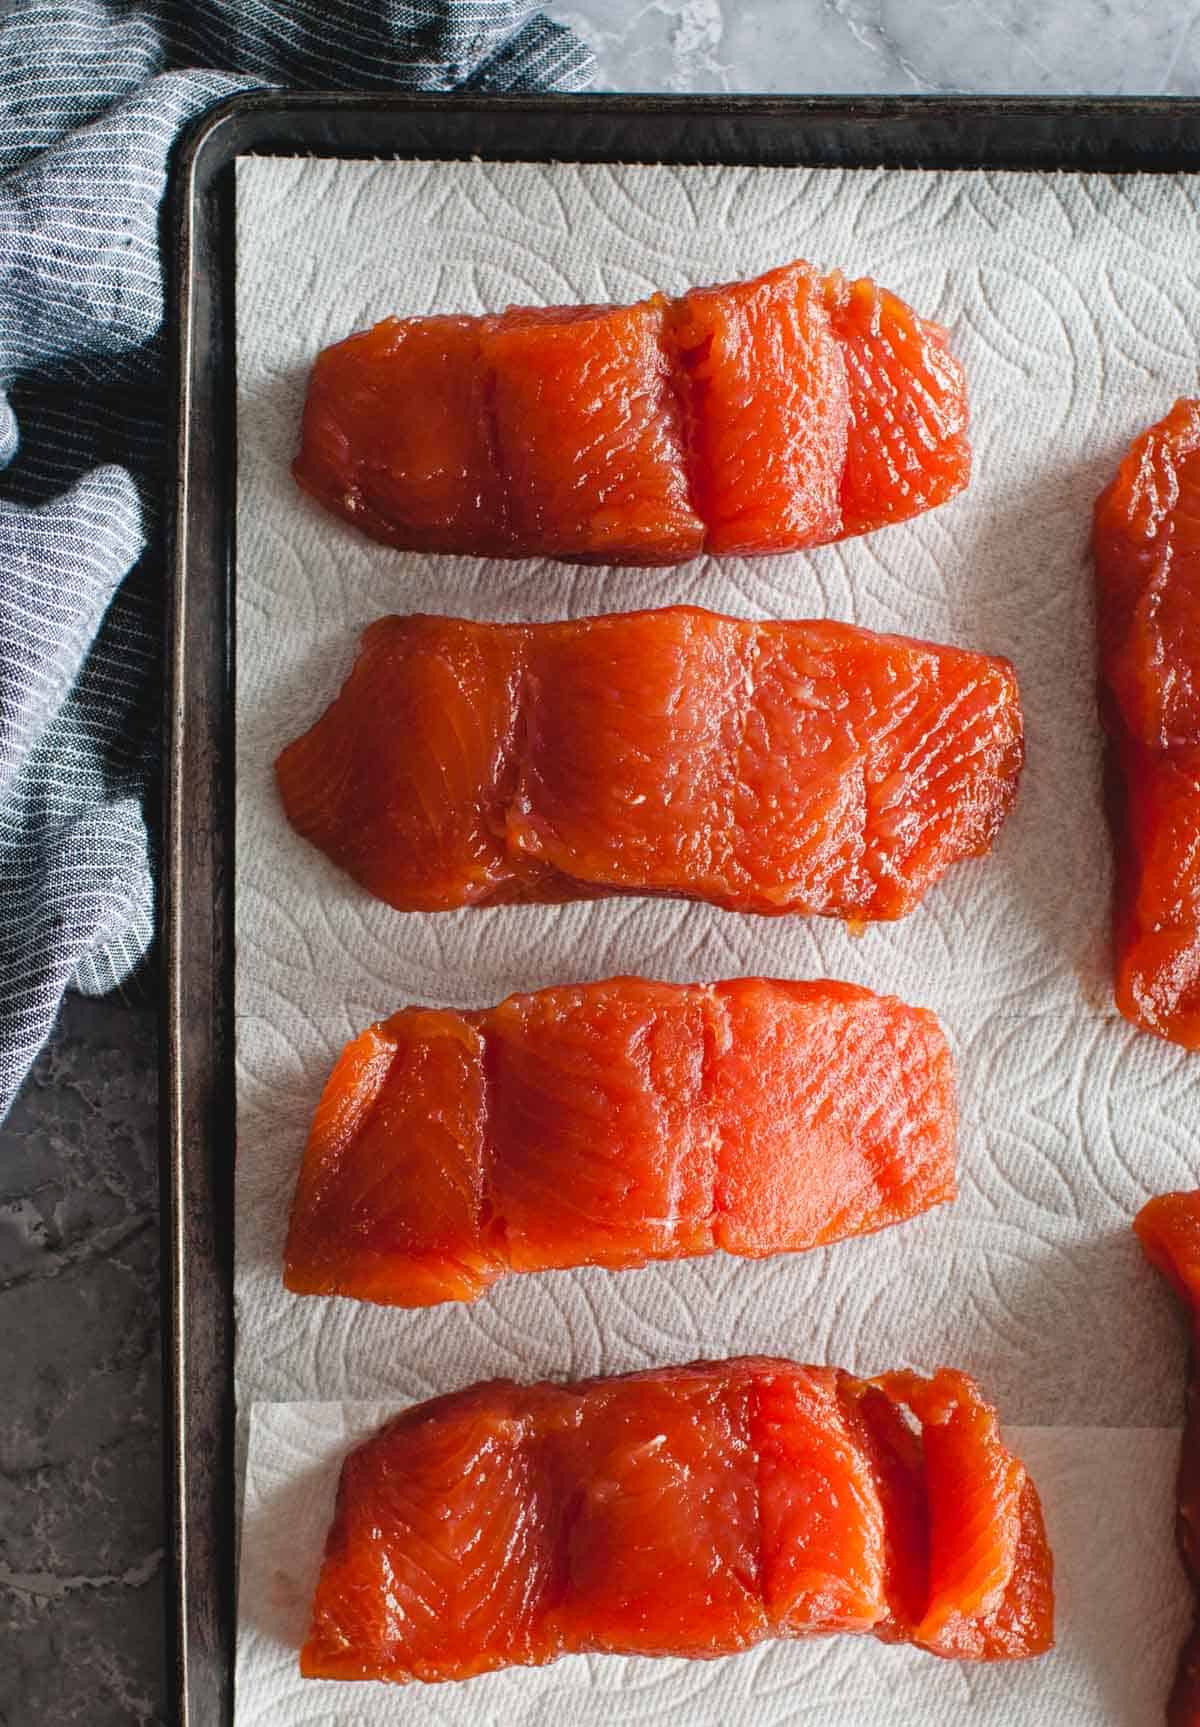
(1080, 134)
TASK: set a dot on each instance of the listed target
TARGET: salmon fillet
(1169, 1230)
(766, 767)
(613, 1124)
(690, 1511)
(1146, 549)
(906, 445)
(760, 416)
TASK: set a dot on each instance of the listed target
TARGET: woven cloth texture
(93, 96)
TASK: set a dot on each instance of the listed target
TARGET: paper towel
(1121, 1615)
(1074, 303)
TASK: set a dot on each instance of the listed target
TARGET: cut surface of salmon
(589, 435)
(1146, 549)
(426, 479)
(763, 384)
(600, 1150)
(440, 1558)
(906, 448)
(613, 1124)
(1168, 1228)
(983, 1520)
(822, 1517)
(753, 417)
(392, 1188)
(690, 1511)
(1154, 805)
(660, 1481)
(421, 761)
(807, 767)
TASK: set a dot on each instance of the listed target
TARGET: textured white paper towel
(1074, 303)
(1121, 1614)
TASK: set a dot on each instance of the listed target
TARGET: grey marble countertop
(901, 47)
(80, 1520)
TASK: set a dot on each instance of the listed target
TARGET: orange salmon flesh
(1146, 549)
(687, 1511)
(613, 1124)
(1169, 1230)
(761, 416)
(765, 767)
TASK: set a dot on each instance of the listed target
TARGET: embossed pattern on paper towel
(1073, 302)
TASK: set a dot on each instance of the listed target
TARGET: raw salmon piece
(630, 749)
(1146, 547)
(392, 1187)
(441, 1553)
(1169, 1230)
(598, 1144)
(890, 1442)
(990, 1573)
(416, 765)
(659, 1482)
(825, 1076)
(427, 481)
(589, 430)
(681, 1511)
(753, 417)
(764, 388)
(868, 765)
(1154, 809)
(1146, 550)
(766, 767)
(615, 1123)
(907, 448)
(821, 1516)
(769, 767)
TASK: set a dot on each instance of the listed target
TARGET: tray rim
(1104, 134)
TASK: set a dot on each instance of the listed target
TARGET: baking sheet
(1073, 301)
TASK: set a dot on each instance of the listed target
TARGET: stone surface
(80, 1496)
(900, 47)
(80, 1506)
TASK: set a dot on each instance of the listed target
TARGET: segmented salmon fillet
(616, 1123)
(688, 1511)
(1169, 1230)
(765, 767)
(1146, 545)
(759, 416)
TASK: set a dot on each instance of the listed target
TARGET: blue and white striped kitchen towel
(93, 94)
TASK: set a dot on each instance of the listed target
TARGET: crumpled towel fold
(92, 98)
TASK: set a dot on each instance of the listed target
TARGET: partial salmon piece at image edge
(689, 1511)
(1146, 549)
(760, 416)
(1169, 1230)
(613, 1124)
(803, 767)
